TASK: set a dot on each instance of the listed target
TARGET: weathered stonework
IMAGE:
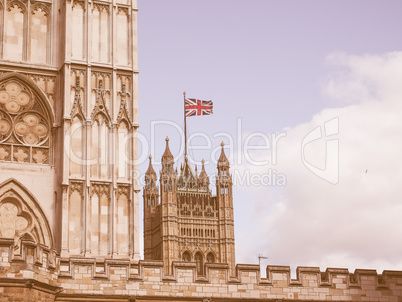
(69, 190)
(187, 223)
(40, 275)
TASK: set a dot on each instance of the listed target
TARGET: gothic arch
(186, 256)
(26, 120)
(20, 4)
(42, 97)
(199, 261)
(40, 6)
(211, 257)
(21, 216)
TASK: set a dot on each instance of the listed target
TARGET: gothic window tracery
(101, 26)
(21, 218)
(199, 263)
(24, 125)
(210, 257)
(186, 256)
(27, 31)
(39, 34)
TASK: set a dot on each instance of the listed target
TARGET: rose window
(24, 125)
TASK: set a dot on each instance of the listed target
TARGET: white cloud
(356, 223)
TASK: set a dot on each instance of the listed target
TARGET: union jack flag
(197, 107)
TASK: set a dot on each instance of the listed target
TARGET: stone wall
(37, 274)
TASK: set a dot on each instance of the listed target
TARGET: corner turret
(151, 202)
(224, 194)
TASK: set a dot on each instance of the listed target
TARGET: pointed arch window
(186, 256)
(210, 257)
(101, 33)
(39, 35)
(27, 32)
(15, 33)
(21, 218)
(199, 263)
(24, 124)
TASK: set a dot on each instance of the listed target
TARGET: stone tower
(68, 119)
(188, 223)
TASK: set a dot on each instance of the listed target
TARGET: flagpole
(185, 126)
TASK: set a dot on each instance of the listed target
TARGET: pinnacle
(167, 155)
(203, 174)
(223, 160)
(150, 170)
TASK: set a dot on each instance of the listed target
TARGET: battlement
(124, 279)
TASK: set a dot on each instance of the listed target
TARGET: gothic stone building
(69, 195)
(188, 223)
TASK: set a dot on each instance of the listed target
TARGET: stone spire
(203, 178)
(223, 160)
(167, 155)
(203, 175)
(150, 171)
(187, 177)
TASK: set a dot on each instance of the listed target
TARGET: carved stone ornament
(123, 190)
(77, 108)
(77, 186)
(123, 111)
(100, 189)
(100, 106)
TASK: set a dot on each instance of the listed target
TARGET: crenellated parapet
(40, 270)
(28, 265)
(146, 279)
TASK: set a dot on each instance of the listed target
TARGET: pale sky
(284, 68)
